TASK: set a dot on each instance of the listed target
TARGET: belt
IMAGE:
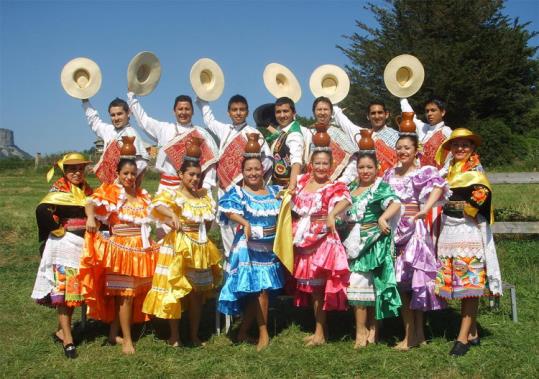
(281, 181)
(190, 227)
(126, 230)
(269, 231)
(74, 224)
(454, 209)
(410, 209)
(319, 218)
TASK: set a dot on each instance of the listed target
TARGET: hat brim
(81, 78)
(330, 81)
(472, 137)
(404, 75)
(281, 82)
(207, 79)
(143, 73)
(76, 161)
(264, 115)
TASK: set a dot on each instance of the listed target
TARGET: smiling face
(119, 116)
(127, 175)
(366, 171)
(238, 112)
(74, 173)
(461, 149)
(406, 151)
(434, 114)
(321, 165)
(377, 116)
(253, 173)
(284, 114)
(191, 178)
(183, 112)
(322, 113)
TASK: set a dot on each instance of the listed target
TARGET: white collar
(287, 127)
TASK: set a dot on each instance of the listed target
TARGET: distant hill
(8, 149)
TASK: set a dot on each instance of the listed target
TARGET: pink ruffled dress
(320, 260)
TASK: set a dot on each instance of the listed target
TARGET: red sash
(105, 169)
(175, 150)
(340, 159)
(430, 148)
(387, 157)
(229, 166)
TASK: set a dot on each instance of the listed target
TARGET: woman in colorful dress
(117, 267)
(61, 223)
(470, 267)
(373, 289)
(255, 271)
(419, 188)
(189, 264)
(320, 263)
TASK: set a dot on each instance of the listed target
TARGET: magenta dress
(416, 264)
(320, 260)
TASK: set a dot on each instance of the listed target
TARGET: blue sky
(39, 37)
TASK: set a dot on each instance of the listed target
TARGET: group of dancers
(396, 224)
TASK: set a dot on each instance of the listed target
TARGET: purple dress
(416, 264)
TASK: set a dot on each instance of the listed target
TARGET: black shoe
(70, 351)
(459, 349)
(474, 342)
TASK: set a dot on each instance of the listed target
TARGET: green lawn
(507, 350)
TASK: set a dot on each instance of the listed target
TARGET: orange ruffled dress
(120, 262)
(188, 260)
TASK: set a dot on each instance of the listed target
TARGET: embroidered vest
(387, 157)
(430, 148)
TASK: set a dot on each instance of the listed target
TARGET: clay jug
(321, 138)
(193, 147)
(406, 123)
(366, 142)
(128, 147)
(252, 146)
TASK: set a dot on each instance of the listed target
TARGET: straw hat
(207, 79)
(81, 78)
(330, 81)
(143, 73)
(281, 82)
(404, 75)
(455, 134)
(68, 159)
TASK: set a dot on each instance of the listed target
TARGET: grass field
(507, 350)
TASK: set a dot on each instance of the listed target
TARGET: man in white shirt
(165, 132)
(430, 134)
(289, 144)
(232, 139)
(385, 138)
(119, 115)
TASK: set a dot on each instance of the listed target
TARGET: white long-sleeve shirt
(297, 143)
(425, 130)
(163, 132)
(226, 133)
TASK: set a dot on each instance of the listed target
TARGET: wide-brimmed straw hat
(68, 159)
(81, 78)
(404, 75)
(207, 79)
(143, 73)
(330, 81)
(281, 82)
(456, 134)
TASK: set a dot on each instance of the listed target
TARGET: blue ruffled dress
(253, 266)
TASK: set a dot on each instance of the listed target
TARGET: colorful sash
(229, 166)
(105, 169)
(429, 150)
(176, 148)
(387, 157)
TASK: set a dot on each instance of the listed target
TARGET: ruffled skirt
(184, 265)
(322, 268)
(416, 265)
(116, 266)
(372, 282)
(253, 268)
(56, 282)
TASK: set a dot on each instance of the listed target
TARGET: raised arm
(345, 124)
(151, 126)
(97, 125)
(220, 129)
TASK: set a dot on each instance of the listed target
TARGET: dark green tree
(475, 57)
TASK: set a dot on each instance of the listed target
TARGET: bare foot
(263, 343)
(197, 342)
(174, 342)
(60, 335)
(404, 345)
(308, 338)
(316, 341)
(128, 348)
(372, 338)
(361, 341)
(116, 340)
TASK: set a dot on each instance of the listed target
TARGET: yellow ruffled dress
(188, 260)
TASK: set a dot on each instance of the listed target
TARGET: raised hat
(281, 82)
(404, 75)
(207, 79)
(81, 78)
(330, 81)
(143, 73)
